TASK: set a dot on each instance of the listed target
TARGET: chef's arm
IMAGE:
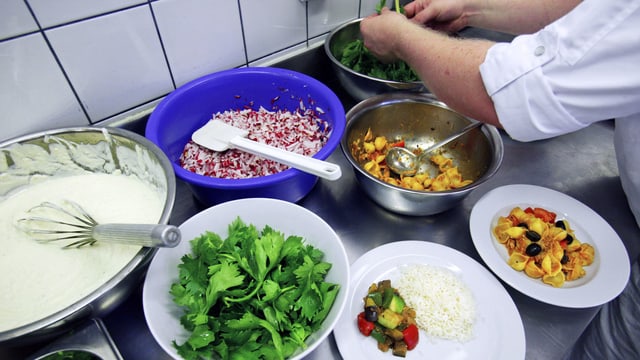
(448, 66)
(508, 16)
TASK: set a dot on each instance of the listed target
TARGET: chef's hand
(380, 33)
(443, 15)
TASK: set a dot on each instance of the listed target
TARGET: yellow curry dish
(543, 247)
(370, 152)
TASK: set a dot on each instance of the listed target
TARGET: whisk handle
(150, 235)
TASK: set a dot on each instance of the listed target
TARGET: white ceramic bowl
(163, 315)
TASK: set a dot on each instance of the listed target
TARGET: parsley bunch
(252, 295)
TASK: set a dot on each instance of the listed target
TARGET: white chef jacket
(583, 68)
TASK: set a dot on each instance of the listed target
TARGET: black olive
(524, 225)
(565, 258)
(560, 224)
(532, 235)
(371, 313)
(533, 249)
(569, 239)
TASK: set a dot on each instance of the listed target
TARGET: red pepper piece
(398, 144)
(365, 326)
(410, 335)
(545, 215)
(542, 214)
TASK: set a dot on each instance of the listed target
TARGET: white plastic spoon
(219, 136)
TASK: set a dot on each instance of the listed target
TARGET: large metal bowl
(358, 85)
(156, 170)
(420, 119)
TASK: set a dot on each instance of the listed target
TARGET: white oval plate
(604, 279)
(498, 331)
(163, 315)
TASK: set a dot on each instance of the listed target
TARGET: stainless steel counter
(581, 164)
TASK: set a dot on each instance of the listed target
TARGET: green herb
(253, 295)
(382, 4)
(359, 59)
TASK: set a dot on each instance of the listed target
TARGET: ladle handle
(450, 138)
(150, 235)
(307, 164)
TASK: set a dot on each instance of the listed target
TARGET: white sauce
(39, 279)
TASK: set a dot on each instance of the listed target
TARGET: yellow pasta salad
(542, 246)
(370, 151)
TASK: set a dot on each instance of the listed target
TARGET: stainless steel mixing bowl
(155, 169)
(360, 86)
(420, 119)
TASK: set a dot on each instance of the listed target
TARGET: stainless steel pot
(360, 86)
(421, 119)
(158, 172)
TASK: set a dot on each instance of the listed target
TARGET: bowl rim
(334, 104)
(139, 260)
(336, 62)
(366, 105)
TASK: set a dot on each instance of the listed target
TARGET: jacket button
(539, 50)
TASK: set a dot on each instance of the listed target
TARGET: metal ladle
(404, 162)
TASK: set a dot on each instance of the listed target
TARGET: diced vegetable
(389, 319)
(378, 335)
(411, 336)
(387, 296)
(396, 304)
(376, 297)
(391, 322)
(364, 325)
(371, 313)
(400, 349)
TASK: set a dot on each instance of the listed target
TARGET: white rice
(444, 305)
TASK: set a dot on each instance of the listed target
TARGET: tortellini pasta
(370, 152)
(542, 247)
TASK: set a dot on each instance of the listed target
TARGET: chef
(571, 64)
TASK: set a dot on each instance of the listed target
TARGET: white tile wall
(16, 19)
(326, 15)
(213, 31)
(272, 25)
(114, 62)
(55, 12)
(34, 95)
(75, 62)
(368, 7)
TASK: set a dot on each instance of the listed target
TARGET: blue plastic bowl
(190, 106)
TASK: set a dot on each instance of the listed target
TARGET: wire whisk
(68, 221)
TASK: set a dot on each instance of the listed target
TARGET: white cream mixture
(36, 279)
